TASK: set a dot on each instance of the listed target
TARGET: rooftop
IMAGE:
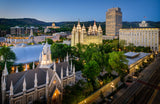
(136, 56)
(27, 54)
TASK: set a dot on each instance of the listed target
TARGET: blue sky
(85, 10)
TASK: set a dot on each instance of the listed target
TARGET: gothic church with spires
(44, 83)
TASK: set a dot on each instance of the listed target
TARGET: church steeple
(11, 89)
(5, 71)
(67, 58)
(26, 68)
(54, 66)
(17, 69)
(71, 65)
(61, 72)
(67, 71)
(33, 67)
(24, 85)
(35, 80)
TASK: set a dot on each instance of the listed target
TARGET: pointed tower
(83, 33)
(54, 66)
(24, 92)
(26, 68)
(47, 78)
(35, 80)
(90, 30)
(3, 89)
(100, 32)
(11, 89)
(24, 85)
(74, 69)
(61, 72)
(73, 36)
(5, 71)
(33, 67)
(67, 71)
(71, 65)
(17, 69)
(45, 57)
(47, 82)
(95, 28)
(78, 33)
(67, 57)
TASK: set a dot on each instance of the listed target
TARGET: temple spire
(5, 71)
(11, 89)
(67, 71)
(17, 69)
(73, 69)
(33, 67)
(26, 68)
(35, 80)
(4, 84)
(24, 85)
(47, 77)
(54, 65)
(71, 65)
(61, 72)
(94, 22)
(67, 58)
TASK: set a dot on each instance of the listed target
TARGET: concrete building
(44, 83)
(147, 37)
(113, 21)
(80, 35)
(28, 29)
(17, 30)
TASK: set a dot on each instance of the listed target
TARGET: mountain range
(5, 23)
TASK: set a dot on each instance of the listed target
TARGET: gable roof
(29, 75)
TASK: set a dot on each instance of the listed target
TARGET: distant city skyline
(85, 10)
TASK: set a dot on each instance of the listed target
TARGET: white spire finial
(71, 65)
(26, 68)
(58, 60)
(11, 89)
(17, 69)
(4, 84)
(35, 80)
(67, 71)
(24, 85)
(67, 57)
(47, 77)
(73, 69)
(61, 72)
(33, 65)
(5, 71)
(54, 65)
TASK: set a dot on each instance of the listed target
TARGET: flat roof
(131, 54)
(135, 59)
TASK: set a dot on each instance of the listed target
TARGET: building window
(54, 82)
(30, 100)
(18, 102)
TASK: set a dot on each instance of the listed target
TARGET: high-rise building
(17, 30)
(80, 35)
(113, 21)
(147, 37)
